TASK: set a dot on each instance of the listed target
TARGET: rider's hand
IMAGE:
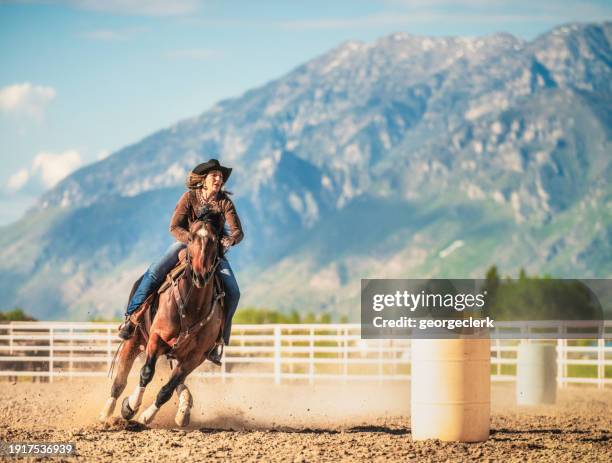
(226, 242)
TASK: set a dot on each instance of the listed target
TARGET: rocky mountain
(410, 156)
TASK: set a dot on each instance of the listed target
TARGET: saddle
(143, 317)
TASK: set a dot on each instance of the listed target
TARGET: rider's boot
(127, 328)
(216, 353)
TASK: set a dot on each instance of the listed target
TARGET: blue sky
(82, 78)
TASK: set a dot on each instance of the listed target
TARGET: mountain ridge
(426, 125)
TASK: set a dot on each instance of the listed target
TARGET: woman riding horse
(205, 193)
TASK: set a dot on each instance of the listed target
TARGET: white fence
(49, 350)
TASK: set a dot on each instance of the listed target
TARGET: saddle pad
(148, 311)
(172, 276)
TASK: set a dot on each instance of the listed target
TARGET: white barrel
(451, 389)
(536, 375)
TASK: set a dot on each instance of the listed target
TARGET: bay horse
(187, 324)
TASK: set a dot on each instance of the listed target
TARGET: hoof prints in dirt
(119, 424)
(577, 429)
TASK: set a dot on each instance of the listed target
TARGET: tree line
(539, 298)
(522, 298)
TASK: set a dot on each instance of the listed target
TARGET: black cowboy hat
(212, 164)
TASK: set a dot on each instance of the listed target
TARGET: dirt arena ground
(330, 421)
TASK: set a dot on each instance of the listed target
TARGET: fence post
(562, 363)
(223, 370)
(564, 358)
(380, 360)
(345, 355)
(601, 372)
(311, 357)
(51, 354)
(11, 339)
(277, 354)
(108, 349)
(70, 364)
(498, 356)
(409, 357)
(291, 353)
(224, 366)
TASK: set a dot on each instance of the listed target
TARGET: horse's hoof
(126, 411)
(108, 409)
(147, 416)
(182, 417)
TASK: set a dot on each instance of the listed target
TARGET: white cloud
(104, 34)
(30, 100)
(404, 13)
(128, 7)
(138, 7)
(372, 20)
(53, 167)
(197, 54)
(17, 180)
(45, 171)
(111, 35)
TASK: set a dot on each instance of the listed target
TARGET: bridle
(197, 280)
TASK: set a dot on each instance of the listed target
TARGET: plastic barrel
(451, 389)
(536, 375)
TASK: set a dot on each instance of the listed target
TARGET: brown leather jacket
(186, 210)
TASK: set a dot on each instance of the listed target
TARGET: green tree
(535, 298)
(492, 280)
(260, 315)
(15, 314)
(101, 318)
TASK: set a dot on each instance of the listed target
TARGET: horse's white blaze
(108, 409)
(184, 407)
(135, 398)
(202, 232)
(147, 416)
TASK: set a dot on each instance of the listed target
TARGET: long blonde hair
(197, 181)
(194, 181)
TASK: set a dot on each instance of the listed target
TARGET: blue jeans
(157, 271)
(232, 296)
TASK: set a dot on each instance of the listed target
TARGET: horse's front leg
(179, 374)
(131, 404)
(183, 413)
(162, 397)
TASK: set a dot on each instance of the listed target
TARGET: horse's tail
(114, 361)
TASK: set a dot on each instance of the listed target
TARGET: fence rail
(49, 350)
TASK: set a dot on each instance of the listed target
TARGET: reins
(207, 275)
(182, 302)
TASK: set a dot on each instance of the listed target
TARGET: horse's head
(203, 246)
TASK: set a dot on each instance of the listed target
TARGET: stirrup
(216, 354)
